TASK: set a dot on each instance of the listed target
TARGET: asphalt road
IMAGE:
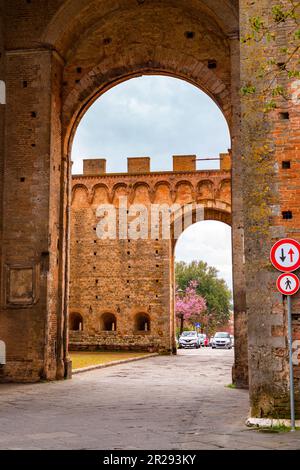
(179, 402)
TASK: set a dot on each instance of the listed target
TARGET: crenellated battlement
(183, 185)
(142, 165)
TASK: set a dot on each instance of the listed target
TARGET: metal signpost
(285, 256)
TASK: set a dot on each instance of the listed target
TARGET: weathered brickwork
(132, 279)
(56, 58)
(270, 189)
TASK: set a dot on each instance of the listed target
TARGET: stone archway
(103, 44)
(132, 275)
(54, 62)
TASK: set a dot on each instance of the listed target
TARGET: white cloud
(153, 116)
(209, 241)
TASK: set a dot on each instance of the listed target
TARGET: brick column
(265, 140)
(32, 291)
(240, 368)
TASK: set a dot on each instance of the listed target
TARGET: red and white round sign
(288, 284)
(285, 255)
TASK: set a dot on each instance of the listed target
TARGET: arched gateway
(123, 230)
(55, 61)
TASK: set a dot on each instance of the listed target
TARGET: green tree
(210, 287)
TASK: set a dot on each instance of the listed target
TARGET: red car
(206, 341)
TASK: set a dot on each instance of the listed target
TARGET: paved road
(179, 402)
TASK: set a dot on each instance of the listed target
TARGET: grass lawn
(85, 359)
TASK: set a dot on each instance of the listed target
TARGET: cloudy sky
(158, 117)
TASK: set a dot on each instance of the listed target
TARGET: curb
(269, 422)
(112, 363)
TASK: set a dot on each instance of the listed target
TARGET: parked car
(221, 340)
(204, 339)
(189, 339)
(210, 341)
(232, 340)
(201, 339)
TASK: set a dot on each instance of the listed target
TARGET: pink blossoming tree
(189, 305)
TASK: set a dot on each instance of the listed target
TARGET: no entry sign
(285, 255)
(288, 284)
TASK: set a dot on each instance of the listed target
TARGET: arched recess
(205, 210)
(116, 41)
(102, 43)
(75, 321)
(108, 322)
(142, 323)
(211, 210)
(96, 84)
(74, 17)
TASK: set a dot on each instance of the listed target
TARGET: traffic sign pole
(290, 341)
(285, 257)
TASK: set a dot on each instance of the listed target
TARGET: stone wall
(128, 277)
(56, 58)
(271, 195)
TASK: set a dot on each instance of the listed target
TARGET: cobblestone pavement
(178, 402)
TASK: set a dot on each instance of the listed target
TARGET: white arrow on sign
(285, 255)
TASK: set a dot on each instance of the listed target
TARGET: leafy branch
(276, 71)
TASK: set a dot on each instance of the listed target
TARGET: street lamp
(180, 293)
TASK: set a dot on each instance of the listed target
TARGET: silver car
(221, 340)
(189, 339)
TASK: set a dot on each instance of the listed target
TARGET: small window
(284, 115)
(142, 322)
(287, 215)
(286, 165)
(108, 322)
(212, 64)
(75, 322)
(189, 34)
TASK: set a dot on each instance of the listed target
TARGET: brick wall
(129, 277)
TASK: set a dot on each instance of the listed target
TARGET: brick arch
(96, 83)
(224, 189)
(74, 17)
(80, 188)
(96, 187)
(116, 188)
(162, 192)
(205, 189)
(141, 322)
(98, 52)
(162, 183)
(179, 196)
(108, 322)
(212, 210)
(138, 185)
(75, 321)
